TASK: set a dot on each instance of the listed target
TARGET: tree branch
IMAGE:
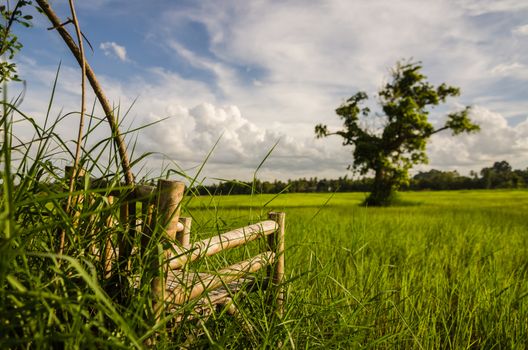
(438, 130)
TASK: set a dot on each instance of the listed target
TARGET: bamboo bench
(179, 285)
(154, 212)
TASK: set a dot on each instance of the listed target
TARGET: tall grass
(48, 299)
(443, 270)
(51, 298)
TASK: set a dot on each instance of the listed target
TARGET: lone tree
(391, 151)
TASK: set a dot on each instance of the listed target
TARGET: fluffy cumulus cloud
(111, 48)
(239, 146)
(496, 141)
(185, 130)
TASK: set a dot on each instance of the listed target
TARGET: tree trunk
(383, 189)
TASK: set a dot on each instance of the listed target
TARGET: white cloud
(110, 48)
(479, 7)
(186, 134)
(189, 134)
(496, 141)
(521, 30)
(514, 69)
(316, 55)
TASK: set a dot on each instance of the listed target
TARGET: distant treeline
(500, 175)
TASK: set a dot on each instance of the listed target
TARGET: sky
(240, 85)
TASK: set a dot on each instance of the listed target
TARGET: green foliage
(9, 43)
(390, 154)
(500, 175)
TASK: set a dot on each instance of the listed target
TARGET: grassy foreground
(441, 270)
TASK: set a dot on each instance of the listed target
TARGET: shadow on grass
(396, 201)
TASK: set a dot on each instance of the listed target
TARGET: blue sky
(258, 72)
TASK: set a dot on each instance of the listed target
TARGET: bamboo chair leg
(276, 244)
(170, 195)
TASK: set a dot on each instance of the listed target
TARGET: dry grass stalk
(76, 169)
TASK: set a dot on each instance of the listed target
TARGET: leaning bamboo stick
(191, 287)
(228, 240)
(116, 134)
(83, 99)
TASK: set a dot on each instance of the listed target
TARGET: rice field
(439, 270)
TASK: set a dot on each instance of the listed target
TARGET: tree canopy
(392, 151)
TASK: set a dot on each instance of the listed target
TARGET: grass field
(440, 270)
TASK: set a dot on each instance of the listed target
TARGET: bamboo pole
(83, 99)
(170, 195)
(216, 244)
(276, 244)
(116, 134)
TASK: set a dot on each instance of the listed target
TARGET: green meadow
(438, 270)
